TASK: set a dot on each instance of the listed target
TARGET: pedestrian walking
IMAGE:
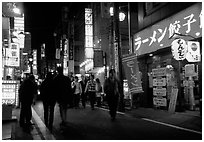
(91, 90)
(77, 91)
(98, 92)
(111, 89)
(83, 94)
(49, 99)
(62, 89)
(27, 91)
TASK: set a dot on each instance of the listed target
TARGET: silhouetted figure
(49, 99)
(111, 88)
(91, 89)
(83, 94)
(62, 88)
(27, 91)
(98, 92)
(77, 91)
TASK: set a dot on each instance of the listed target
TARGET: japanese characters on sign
(13, 55)
(10, 92)
(159, 87)
(179, 49)
(132, 73)
(35, 62)
(159, 72)
(158, 36)
(88, 33)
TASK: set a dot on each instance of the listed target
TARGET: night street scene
(101, 70)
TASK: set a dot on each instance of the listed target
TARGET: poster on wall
(193, 54)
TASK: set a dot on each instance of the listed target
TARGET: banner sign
(132, 73)
(157, 36)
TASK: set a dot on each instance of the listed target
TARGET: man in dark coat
(27, 91)
(49, 99)
(111, 89)
(63, 90)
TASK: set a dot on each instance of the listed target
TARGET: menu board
(10, 92)
(159, 87)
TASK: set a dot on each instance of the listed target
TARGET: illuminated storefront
(164, 73)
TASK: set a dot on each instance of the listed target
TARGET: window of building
(151, 7)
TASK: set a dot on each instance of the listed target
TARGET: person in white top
(77, 91)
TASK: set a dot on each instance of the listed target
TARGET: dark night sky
(41, 19)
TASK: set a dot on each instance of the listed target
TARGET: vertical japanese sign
(88, 33)
(43, 50)
(132, 73)
(13, 55)
(179, 49)
(19, 29)
(35, 62)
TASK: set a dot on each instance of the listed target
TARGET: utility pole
(118, 51)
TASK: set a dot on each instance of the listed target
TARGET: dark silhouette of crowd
(67, 92)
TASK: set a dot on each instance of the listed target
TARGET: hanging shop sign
(179, 49)
(158, 36)
(19, 30)
(193, 54)
(132, 73)
(43, 50)
(13, 55)
(35, 62)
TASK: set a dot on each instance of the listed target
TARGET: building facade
(159, 24)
